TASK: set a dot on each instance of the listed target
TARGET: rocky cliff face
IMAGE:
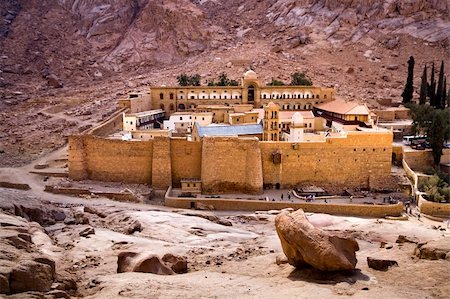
(80, 38)
(352, 19)
(141, 31)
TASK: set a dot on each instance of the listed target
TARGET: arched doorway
(181, 107)
(251, 94)
(277, 186)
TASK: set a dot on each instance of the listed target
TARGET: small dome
(250, 75)
(297, 118)
(271, 105)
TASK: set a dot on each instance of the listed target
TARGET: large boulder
(31, 275)
(151, 263)
(434, 250)
(303, 244)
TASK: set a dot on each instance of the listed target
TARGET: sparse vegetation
(436, 189)
(298, 78)
(276, 82)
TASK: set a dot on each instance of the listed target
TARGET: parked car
(419, 147)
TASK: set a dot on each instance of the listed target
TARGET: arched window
(161, 106)
(171, 107)
(161, 96)
(171, 96)
(181, 107)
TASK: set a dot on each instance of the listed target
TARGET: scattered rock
(303, 244)
(276, 49)
(386, 78)
(281, 259)
(134, 226)
(379, 264)
(57, 294)
(178, 263)
(54, 81)
(404, 239)
(350, 70)
(87, 231)
(92, 210)
(80, 217)
(98, 74)
(392, 67)
(391, 43)
(150, 263)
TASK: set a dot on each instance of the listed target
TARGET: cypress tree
(423, 87)
(446, 96)
(432, 87)
(440, 102)
(437, 135)
(409, 88)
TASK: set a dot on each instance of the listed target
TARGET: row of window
(238, 96)
(293, 96)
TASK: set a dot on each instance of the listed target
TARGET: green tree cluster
(188, 80)
(223, 80)
(298, 78)
(435, 123)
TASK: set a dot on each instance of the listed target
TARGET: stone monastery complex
(236, 139)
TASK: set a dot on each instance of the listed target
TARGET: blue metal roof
(233, 130)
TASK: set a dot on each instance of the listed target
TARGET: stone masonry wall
(186, 157)
(102, 159)
(231, 165)
(342, 162)
(161, 163)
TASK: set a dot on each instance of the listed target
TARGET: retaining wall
(376, 211)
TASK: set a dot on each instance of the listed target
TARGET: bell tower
(271, 130)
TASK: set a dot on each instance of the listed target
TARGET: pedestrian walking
(281, 196)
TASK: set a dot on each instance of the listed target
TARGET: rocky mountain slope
(63, 64)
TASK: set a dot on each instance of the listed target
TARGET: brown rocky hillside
(65, 62)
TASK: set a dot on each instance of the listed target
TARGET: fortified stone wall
(345, 162)
(103, 159)
(231, 165)
(186, 157)
(421, 161)
(109, 126)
